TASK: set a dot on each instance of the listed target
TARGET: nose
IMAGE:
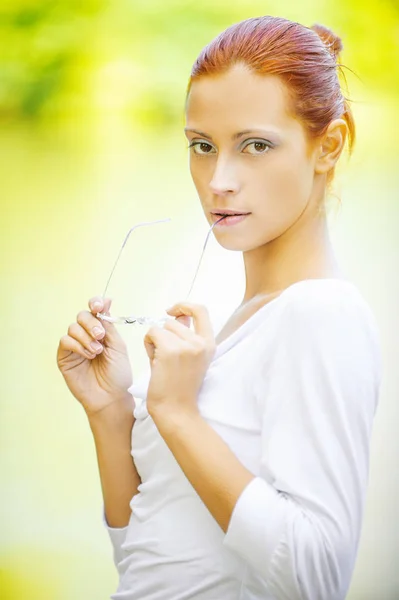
(224, 179)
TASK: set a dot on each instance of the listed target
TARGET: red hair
(304, 58)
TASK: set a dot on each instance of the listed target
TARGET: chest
(227, 401)
(241, 315)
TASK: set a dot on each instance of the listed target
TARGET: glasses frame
(145, 320)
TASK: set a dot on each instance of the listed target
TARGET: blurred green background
(91, 117)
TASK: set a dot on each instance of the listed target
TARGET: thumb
(184, 320)
(150, 349)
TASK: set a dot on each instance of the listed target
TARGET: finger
(101, 305)
(200, 315)
(182, 331)
(158, 336)
(158, 339)
(78, 333)
(98, 304)
(102, 331)
(93, 326)
(68, 344)
(186, 321)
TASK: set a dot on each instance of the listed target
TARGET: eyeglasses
(143, 320)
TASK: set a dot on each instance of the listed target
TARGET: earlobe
(331, 146)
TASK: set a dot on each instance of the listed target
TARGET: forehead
(237, 98)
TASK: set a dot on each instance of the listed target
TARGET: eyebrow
(234, 137)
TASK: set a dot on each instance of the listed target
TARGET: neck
(303, 252)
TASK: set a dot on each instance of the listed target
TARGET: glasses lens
(160, 264)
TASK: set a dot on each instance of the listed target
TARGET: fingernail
(97, 305)
(96, 346)
(98, 331)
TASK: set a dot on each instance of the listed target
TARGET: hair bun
(332, 41)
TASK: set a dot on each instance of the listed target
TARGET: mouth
(223, 212)
(225, 218)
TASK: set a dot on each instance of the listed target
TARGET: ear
(331, 145)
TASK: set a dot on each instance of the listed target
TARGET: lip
(227, 221)
(228, 211)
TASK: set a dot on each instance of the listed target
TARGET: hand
(179, 359)
(98, 375)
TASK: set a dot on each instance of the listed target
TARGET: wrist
(170, 419)
(116, 415)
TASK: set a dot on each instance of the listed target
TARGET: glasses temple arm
(124, 244)
(202, 254)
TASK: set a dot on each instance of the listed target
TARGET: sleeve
(117, 535)
(298, 522)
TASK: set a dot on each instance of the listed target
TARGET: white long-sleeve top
(293, 392)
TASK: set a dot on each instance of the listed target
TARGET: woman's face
(248, 154)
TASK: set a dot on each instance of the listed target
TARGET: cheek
(193, 172)
(288, 181)
(201, 175)
(285, 186)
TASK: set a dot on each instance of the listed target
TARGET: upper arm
(319, 404)
(299, 522)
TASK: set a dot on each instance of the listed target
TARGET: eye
(257, 147)
(200, 147)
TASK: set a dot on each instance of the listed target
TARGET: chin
(234, 247)
(245, 243)
(237, 244)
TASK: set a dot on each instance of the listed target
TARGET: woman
(251, 450)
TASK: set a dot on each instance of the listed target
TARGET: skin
(281, 180)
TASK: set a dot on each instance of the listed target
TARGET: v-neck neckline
(240, 331)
